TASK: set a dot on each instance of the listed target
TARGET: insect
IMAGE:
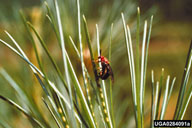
(105, 70)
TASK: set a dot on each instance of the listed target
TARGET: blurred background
(170, 40)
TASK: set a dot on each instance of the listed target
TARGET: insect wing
(111, 73)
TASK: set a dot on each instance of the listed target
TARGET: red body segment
(103, 59)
